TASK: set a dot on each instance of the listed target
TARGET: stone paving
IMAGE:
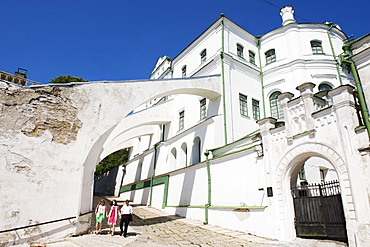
(154, 228)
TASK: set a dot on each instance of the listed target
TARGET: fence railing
(314, 190)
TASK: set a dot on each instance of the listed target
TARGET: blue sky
(122, 40)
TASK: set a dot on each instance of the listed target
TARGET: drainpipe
(344, 60)
(223, 74)
(206, 207)
(261, 76)
(153, 174)
(332, 51)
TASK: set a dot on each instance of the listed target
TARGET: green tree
(66, 79)
(113, 160)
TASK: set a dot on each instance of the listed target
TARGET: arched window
(203, 56)
(252, 57)
(173, 157)
(325, 87)
(196, 151)
(270, 56)
(184, 158)
(276, 111)
(316, 47)
(239, 50)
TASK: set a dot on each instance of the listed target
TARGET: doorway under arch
(287, 171)
(318, 207)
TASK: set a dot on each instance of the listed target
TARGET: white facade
(218, 134)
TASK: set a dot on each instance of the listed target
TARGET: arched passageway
(288, 185)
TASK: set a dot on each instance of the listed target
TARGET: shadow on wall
(105, 184)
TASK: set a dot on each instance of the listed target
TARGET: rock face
(33, 111)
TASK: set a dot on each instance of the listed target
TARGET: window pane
(239, 51)
(276, 111)
(252, 57)
(316, 47)
(243, 105)
(270, 56)
(203, 109)
(181, 120)
(256, 109)
(183, 71)
(203, 55)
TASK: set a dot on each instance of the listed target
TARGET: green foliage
(113, 160)
(66, 79)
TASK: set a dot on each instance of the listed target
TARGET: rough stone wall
(33, 111)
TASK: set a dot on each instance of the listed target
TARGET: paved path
(154, 228)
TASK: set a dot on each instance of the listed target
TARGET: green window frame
(203, 108)
(276, 111)
(243, 103)
(256, 109)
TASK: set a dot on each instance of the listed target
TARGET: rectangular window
(203, 109)
(181, 120)
(203, 56)
(183, 71)
(316, 47)
(256, 109)
(243, 105)
(252, 57)
(239, 50)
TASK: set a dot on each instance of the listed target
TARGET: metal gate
(319, 211)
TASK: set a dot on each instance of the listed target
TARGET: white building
(252, 166)
(221, 135)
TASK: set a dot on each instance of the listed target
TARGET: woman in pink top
(113, 216)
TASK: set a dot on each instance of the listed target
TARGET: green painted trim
(223, 76)
(206, 153)
(186, 206)
(238, 207)
(361, 96)
(360, 128)
(234, 152)
(261, 77)
(165, 192)
(250, 134)
(217, 207)
(145, 184)
(333, 52)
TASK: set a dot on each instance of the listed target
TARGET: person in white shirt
(126, 217)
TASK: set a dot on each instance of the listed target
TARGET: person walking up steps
(113, 216)
(126, 217)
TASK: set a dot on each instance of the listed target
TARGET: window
(203, 109)
(325, 87)
(270, 56)
(302, 174)
(316, 47)
(252, 57)
(243, 105)
(276, 111)
(181, 120)
(203, 56)
(256, 109)
(239, 50)
(323, 173)
(183, 71)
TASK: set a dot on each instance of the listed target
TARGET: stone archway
(289, 166)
